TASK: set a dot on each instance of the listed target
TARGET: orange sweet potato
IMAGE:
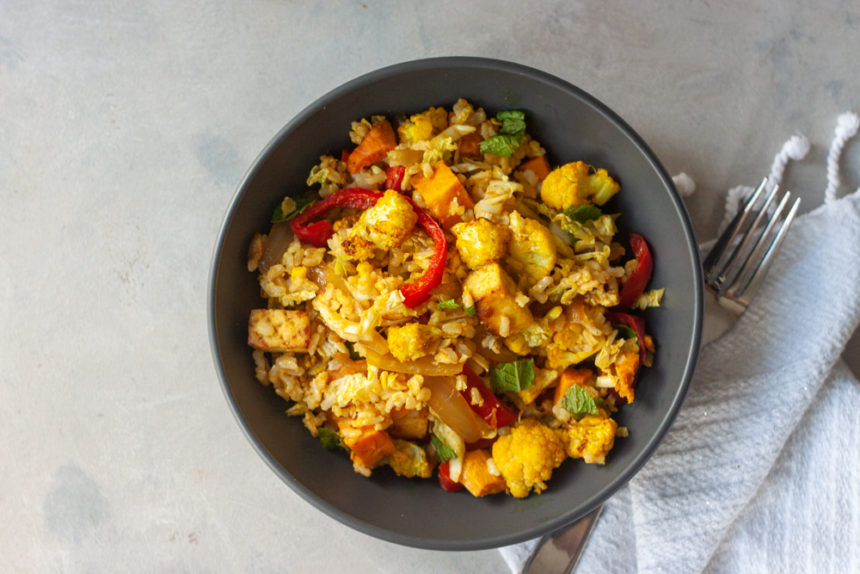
(375, 145)
(440, 192)
(476, 477)
(369, 447)
(570, 377)
(470, 145)
(538, 166)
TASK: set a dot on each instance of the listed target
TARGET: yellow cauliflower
(409, 460)
(532, 248)
(383, 226)
(572, 185)
(590, 438)
(527, 456)
(422, 126)
(480, 241)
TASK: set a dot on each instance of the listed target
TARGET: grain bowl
(566, 128)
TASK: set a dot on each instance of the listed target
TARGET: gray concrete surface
(124, 129)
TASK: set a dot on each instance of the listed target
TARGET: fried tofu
(279, 330)
(496, 295)
(413, 341)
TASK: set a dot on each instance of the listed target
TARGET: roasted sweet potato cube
(368, 447)
(445, 197)
(476, 476)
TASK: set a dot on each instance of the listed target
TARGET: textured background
(124, 130)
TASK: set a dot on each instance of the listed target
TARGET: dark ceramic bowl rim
(691, 353)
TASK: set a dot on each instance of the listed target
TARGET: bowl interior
(571, 126)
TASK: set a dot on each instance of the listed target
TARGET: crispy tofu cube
(495, 296)
(481, 241)
(445, 197)
(590, 438)
(476, 475)
(279, 330)
(410, 424)
(413, 341)
(383, 226)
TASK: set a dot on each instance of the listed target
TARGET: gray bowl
(572, 126)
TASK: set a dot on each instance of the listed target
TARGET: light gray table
(124, 130)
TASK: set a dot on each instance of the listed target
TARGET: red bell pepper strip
(445, 481)
(317, 233)
(491, 410)
(394, 177)
(635, 323)
(420, 290)
(635, 284)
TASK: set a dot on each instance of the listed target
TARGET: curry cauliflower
(527, 456)
(573, 185)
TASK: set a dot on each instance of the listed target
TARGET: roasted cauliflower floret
(532, 248)
(279, 330)
(527, 456)
(481, 241)
(409, 460)
(413, 341)
(497, 300)
(383, 226)
(573, 184)
(590, 438)
(423, 126)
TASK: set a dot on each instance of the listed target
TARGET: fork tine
(744, 292)
(713, 262)
(732, 268)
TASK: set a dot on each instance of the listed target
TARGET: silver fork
(733, 271)
(743, 253)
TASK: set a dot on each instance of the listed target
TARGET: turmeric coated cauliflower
(591, 438)
(527, 456)
(572, 185)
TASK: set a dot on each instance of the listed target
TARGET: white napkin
(761, 470)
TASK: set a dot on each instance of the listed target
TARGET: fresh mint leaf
(444, 451)
(578, 402)
(502, 144)
(625, 332)
(353, 354)
(329, 439)
(513, 122)
(449, 304)
(302, 203)
(583, 213)
(514, 376)
(471, 311)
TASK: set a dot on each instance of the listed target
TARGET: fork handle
(718, 319)
(559, 551)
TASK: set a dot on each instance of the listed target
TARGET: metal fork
(743, 253)
(733, 271)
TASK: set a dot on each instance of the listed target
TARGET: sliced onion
(277, 242)
(424, 366)
(453, 410)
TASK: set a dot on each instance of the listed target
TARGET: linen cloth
(761, 470)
